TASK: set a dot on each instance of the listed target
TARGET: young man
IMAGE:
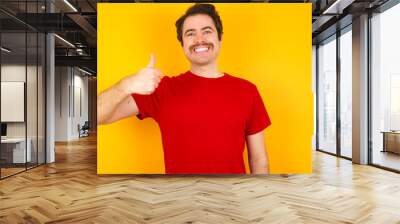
(205, 116)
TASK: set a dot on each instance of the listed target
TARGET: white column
(360, 90)
(50, 100)
(50, 92)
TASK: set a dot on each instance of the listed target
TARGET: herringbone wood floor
(70, 191)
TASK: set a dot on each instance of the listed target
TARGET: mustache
(204, 44)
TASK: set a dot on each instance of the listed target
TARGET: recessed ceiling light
(337, 7)
(64, 40)
(70, 5)
(84, 71)
(5, 50)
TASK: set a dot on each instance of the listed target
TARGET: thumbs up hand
(143, 82)
(152, 61)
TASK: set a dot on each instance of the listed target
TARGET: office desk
(15, 148)
(391, 141)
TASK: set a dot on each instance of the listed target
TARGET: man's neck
(207, 71)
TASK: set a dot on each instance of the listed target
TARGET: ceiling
(72, 20)
(329, 16)
(76, 22)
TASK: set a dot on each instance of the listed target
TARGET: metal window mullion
(369, 89)
(45, 94)
(37, 91)
(26, 87)
(338, 95)
(0, 96)
(317, 96)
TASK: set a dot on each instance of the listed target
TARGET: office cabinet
(391, 142)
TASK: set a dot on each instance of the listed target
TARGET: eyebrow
(204, 28)
(207, 27)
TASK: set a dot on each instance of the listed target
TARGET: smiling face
(200, 40)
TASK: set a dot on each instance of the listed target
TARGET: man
(205, 116)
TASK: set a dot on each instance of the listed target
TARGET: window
(346, 93)
(385, 88)
(327, 95)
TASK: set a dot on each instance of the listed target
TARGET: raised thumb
(152, 61)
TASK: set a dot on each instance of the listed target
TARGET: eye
(190, 34)
(207, 31)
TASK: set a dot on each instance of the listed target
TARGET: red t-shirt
(204, 121)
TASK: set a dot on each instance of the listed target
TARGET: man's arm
(258, 159)
(116, 102)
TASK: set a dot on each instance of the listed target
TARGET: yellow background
(267, 44)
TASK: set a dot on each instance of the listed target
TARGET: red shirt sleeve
(258, 119)
(149, 105)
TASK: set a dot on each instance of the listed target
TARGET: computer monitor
(3, 129)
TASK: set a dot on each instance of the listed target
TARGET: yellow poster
(268, 44)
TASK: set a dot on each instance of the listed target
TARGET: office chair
(84, 130)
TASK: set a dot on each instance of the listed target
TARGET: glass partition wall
(327, 95)
(334, 75)
(22, 88)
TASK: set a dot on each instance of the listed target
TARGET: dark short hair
(207, 9)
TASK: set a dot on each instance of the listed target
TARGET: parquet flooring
(10, 171)
(70, 191)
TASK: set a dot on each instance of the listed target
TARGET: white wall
(80, 84)
(62, 78)
(16, 72)
(71, 93)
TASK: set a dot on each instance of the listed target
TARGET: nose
(199, 38)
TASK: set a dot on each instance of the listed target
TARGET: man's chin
(201, 62)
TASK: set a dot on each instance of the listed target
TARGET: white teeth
(201, 49)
